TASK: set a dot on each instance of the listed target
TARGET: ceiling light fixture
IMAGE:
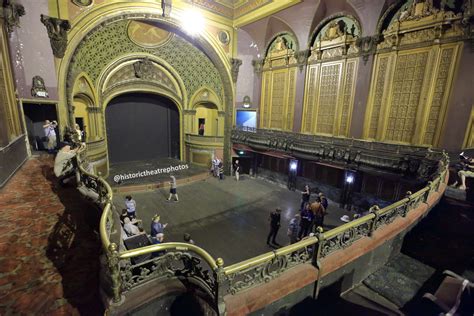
(192, 21)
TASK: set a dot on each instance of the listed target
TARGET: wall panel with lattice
(278, 98)
(329, 97)
(409, 94)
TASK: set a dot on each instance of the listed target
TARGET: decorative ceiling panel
(231, 8)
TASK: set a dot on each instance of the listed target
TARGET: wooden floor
(228, 218)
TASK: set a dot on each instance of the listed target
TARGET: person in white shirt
(173, 189)
(50, 133)
(78, 132)
(129, 228)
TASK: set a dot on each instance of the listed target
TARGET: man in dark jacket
(274, 226)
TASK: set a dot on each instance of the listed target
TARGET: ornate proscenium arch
(212, 60)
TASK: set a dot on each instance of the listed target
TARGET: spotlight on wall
(349, 178)
(246, 102)
(293, 165)
(192, 21)
(241, 152)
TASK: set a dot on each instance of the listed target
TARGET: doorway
(35, 115)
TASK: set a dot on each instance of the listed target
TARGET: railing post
(427, 193)
(374, 210)
(219, 278)
(113, 262)
(317, 259)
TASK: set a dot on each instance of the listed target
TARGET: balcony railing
(204, 139)
(190, 261)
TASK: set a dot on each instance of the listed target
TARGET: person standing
(131, 206)
(319, 212)
(305, 197)
(50, 133)
(78, 132)
(221, 170)
(173, 189)
(237, 170)
(274, 219)
(305, 223)
(324, 200)
(293, 228)
(201, 129)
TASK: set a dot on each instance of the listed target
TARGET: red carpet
(49, 250)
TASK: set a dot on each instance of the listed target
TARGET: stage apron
(142, 127)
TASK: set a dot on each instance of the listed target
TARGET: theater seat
(452, 293)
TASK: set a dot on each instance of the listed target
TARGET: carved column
(57, 32)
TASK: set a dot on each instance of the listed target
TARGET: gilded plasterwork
(7, 100)
(279, 84)
(147, 35)
(347, 98)
(328, 98)
(378, 95)
(291, 98)
(278, 100)
(111, 41)
(266, 94)
(441, 90)
(155, 75)
(407, 86)
(312, 87)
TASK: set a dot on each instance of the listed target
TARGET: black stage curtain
(142, 127)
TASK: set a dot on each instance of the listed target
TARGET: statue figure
(280, 44)
(334, 30)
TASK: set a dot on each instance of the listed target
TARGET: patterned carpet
(48, 246)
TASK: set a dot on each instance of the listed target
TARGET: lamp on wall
(246, 102)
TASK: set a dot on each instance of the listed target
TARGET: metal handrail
(172, 246)
(214, 264)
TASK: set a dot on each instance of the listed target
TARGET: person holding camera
(50, 134)
(466, 171)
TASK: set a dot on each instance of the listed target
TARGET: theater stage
(136, 176)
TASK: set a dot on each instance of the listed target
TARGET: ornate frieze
(11, 13)
(336, 39)
(422, 23)
(57, 32)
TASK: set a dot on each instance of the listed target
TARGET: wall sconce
(246, 102)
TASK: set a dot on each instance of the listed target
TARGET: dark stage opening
(142, 126)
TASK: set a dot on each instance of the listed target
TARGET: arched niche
(205, 106)
(86, 111)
